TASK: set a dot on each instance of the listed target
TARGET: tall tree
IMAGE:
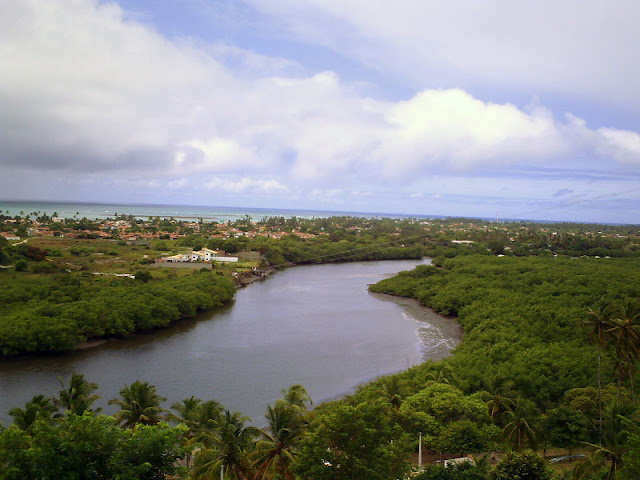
(139, 403)
(499, 396)
(598, 321)
(297, 396)
(78, 396)
(226, 448)
(38, 408)
(519, 431)
(609, 453)
(187, 414)
(352, 442)
(625, 329)
(287, 421)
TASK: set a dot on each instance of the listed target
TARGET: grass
(112, 256)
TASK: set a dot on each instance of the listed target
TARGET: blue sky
(494, 109)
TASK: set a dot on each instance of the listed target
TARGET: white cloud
(220, 154)
(582, 49)
(84, 91)
(245, 185)
(622, 145)
(453, 128)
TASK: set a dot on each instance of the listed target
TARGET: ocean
(185, 212)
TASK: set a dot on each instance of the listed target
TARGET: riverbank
(314, 325)
(57, 313)
(438, 335)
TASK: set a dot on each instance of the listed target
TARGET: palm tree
(139, 403)
(391, 392)
(273, 456)
(625, 329)
(296, 395)
(609, 452)
(188, 414)
(442, 373)
(599, 322)
(226, 448)
(499, 397)
(519, 428)
(187, 411)
(79, 396)
(39, 407)
(209, 415)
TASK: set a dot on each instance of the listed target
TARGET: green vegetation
(548, 360)
(541, 338)
(522, 317)
(53, 445)
(43, 313)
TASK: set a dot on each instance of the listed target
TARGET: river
(314, 325)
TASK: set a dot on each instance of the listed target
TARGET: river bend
(314, 325)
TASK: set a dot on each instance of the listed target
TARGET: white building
(208, 255)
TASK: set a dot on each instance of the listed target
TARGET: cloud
(582, 50)
(453, 128)
(622, 145)
(563, 192)
(221, 154)
(88, 92)
(245, 185)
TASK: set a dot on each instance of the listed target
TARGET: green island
(547, 366)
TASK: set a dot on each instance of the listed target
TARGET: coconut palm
(297, 396)
(187, 411)
(598, 321)
(499, 397)
(226, 448)
(39, 407)
(209, 415)
(609, 452)
(625, 330)
(187, 414)
(442, 373)
(391, 392)
(139, 403)
(79, 396)
(273, 455)
(519, 431)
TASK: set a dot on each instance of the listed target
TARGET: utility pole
(420, 453)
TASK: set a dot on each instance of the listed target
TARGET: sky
(494, 109)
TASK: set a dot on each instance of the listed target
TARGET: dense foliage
(522, 317)
(550, 345)
(43, 313)
(548, 358)
(89, 447)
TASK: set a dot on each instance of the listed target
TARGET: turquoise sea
(208, 213)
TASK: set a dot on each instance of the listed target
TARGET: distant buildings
(204, 255)
(9, 236)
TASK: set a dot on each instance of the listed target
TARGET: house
(9, 236)
(181, 257)
(208, 255)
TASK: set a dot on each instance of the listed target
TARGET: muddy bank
(437, 335)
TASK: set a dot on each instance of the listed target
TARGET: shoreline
(434, 325)
(242, 280)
